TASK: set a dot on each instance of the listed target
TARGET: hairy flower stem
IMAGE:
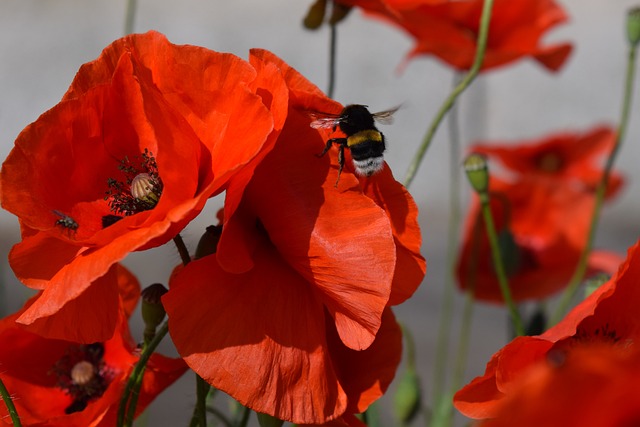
(199, 417)
(463, 344)
(136, 376)
(446, 315)
(483, 34)
(11, 408)
(130, 16)
(244, 420)
(498, 264)
(581, 268)
(333, 38)
(132, 389)
(182, 249)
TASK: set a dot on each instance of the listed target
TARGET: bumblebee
(65, 221)
(364, 140)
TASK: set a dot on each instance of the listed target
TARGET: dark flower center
(550, 162)
(82, 373)
(603, 333)
(140, 190)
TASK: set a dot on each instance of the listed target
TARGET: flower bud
(633, 26)
(339, 12)
(315, 15)
(408, 397)
(475, 166)
(209, 241)
(152, 310)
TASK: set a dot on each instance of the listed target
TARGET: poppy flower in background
(542, 230)
(449, 29)
(592, 386)
(292, 311)
(568, 158)
(60, 383)
(542, 207)
(607, 317)
(151, 125)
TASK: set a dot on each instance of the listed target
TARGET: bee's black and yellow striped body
(363, 139)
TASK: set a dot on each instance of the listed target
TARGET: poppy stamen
(550, 162)
(83, 375)
(141, 189)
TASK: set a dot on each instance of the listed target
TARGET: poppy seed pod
(475, 166)
(633, 26)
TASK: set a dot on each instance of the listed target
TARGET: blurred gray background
(43, 43)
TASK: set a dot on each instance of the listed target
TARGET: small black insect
(364, 140)
(66, 221)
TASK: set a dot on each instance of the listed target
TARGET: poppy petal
(261, 337)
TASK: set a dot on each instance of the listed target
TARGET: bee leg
(326, 148)
(340, 162)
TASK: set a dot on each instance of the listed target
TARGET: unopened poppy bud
(339, 12)
(152, 310)
(315, 15)
(142, 188)
(475, 166)
(408, 397)
(209, 241)
(82, 372)
(633, 26)
(266, 420)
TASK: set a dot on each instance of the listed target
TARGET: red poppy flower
(543, 214)
(153, 126)
(60, 383)
(592, 386)
(569, 158)
(292, 311)
(542, 230)
(449, 29)
(607, 317)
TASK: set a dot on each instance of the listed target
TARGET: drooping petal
(261, 337)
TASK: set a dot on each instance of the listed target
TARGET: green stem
(446, 315)
(518, 326)
(13, 413)
(245, 417)
(199, 417)
(137, 374)
(333, 37)
(220, 416)
(130, 16)
(578, 275)
(483, 34)
(463, 345)
(182, 249)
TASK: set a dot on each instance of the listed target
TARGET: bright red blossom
(48, 392)
(593, 386)
(569, 158)
(542, 210)
(449, 29)
(144, 106)
(292, 311)
(606, 318)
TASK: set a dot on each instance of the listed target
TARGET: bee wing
(385, 117)
(325, 122)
